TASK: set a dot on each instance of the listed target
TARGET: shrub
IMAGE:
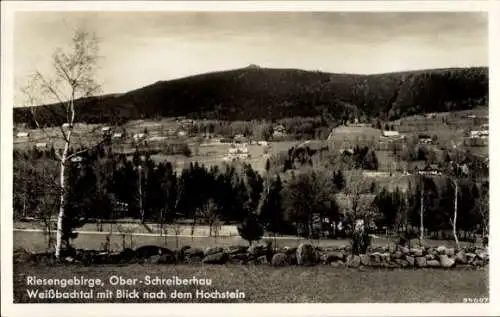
(250, 229)
(360, 241)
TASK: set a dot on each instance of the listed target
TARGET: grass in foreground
(261, 284)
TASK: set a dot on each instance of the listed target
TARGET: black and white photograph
(246, 156)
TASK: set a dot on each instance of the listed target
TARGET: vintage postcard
(248, 153)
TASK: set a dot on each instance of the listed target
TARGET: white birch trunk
(62, 207)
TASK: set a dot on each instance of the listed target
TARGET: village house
(23, 134)
(279, 130)
(106, 130)
(41, 145)
(139, 136)
(390, 134)
(117, 135)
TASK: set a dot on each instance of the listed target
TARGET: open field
(266, 284)
(36, 241)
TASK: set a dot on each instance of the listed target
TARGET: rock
(216, 258)
(397, 255)
(375, 258)
(262, 259)
(333, 256)
(446, 261)
(338, 264)
(402, 263)
(442, 250)
(477, 262)
(433, 263)
(317, 256)
(69, 259)
(429, 257)
(290, 251)
(385, 257)
(470, 257)
(353, 261)
(417, 251)
(214, 250)
(147, 251)
(161, 259)
(392, 265)
(451, 252)
(279, 259)
(305, 254)
(404, 250)
(421, 261)
(460, 258)
(410, 259)
(365, 259)
(482, 256)
(194, 252)
(292, 258)
(235, 249)
(256, 250)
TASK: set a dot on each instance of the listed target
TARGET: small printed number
(476, 300)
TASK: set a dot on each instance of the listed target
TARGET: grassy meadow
(266, 284)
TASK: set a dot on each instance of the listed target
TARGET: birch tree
(72, 76)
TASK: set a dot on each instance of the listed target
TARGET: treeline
(310, 203)
(272, 94)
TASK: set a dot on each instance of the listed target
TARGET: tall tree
(73, 77)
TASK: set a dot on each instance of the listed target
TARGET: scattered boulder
(470, 257)
(353, 261)
(161, 259)
(429, 257)
(461, 258)
(333, 256)
(433, 263)
(338, 264)
(305, 254)
(147, 251)
(451, 252)
(262, 260)
(410, 259)
(402, 263)
(376, 258)
(397, 255)
(446, 261)
(421, 261)
(236, 249)
(404, 250)
(280, 259)
(417, 252)
(365, 259)
(290, 251)
(213, 250)
(216, 258)
(442, 250)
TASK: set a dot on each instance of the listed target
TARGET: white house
(41, 145)
(22, 134)
(263, 143)
(182, 133)
(117, 135)
(139, 136)
(106, 130)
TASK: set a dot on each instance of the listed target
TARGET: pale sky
(140, 48)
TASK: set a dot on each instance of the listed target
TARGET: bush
(360, 241)
(250, 229)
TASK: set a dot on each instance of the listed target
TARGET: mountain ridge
(272, 93)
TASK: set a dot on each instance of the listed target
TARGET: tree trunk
(455, 215)
(62, 207)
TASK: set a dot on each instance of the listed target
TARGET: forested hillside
(263, 93)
